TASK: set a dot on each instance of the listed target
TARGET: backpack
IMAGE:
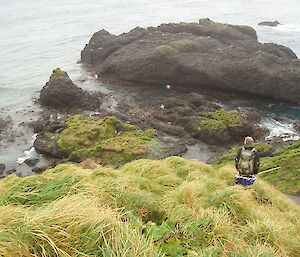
(246, 162)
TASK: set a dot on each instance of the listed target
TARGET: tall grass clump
(171, 207)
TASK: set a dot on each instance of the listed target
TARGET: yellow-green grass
(170, 207)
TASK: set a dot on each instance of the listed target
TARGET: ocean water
(39, 35)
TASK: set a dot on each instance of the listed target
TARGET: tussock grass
(172, 207)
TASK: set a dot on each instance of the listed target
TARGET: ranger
(247, 163)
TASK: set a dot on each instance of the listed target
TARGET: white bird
(96, 76)
(162, 106)
(168, 86)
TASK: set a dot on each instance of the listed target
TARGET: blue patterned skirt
(245, 180)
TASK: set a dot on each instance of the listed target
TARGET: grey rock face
(61, 92)
(207, 55)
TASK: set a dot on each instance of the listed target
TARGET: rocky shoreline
(187, 118)
(183, 121)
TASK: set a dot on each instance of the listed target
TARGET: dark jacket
(256, 158)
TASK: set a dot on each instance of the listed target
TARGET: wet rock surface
(207, 55)
(5, 125)
(31, 161)
(46, 143)
(297, 125)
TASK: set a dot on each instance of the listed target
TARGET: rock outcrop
(205, 119)
(61, 92)
(269, 23)
(108, 139)
(207, 55)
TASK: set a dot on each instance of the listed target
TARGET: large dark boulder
(61, 92)
(207, 54)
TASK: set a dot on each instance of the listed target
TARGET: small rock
(297, 125)
(39, 169)
(269, 23)
(31, 161)
(11, 171)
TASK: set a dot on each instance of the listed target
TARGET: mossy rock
(109, 139)
(221, 126)
(213, 122)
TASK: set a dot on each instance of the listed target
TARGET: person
(247, 163)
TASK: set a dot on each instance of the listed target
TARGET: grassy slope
(286, 179)
(170, 207)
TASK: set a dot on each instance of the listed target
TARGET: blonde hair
(248, 140)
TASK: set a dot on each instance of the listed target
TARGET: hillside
(170, 207)
(286, 179)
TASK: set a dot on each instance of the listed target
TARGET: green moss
(56, 72)
(214, 122)
(109, 139)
